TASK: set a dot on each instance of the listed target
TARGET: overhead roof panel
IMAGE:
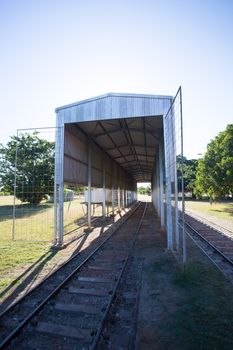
(128, 127)
(113, 106)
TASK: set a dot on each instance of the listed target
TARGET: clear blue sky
(56, 52)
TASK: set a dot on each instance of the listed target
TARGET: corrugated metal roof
(129, 127)
(113, 106)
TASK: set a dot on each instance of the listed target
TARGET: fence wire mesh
(33, 200)
(173, 147)
(33, 205)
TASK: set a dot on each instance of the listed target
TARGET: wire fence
(173, 146)
(31, 201)
(33, 206)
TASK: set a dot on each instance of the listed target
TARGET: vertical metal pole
(56, 155)
(113, 193)
(175, 179)
(161, 179)
(123, 197)
(104, 189)
(158, 186)
(168, 184)
(113, 200)
(55, 212)
(182, 183)
(119, 198)
(61, 186)
(15, 185)
(89, 186)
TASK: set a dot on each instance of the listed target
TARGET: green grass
(221, 210)
(15, 257)
(33, 223)
(34, 230)
(36, 222)
(194, 305)
(204, 321)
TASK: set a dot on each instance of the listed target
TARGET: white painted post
(55, 210)
(104, 189)
(158, 186)
(61, 185)
(119, 198)
(123, 197)
(161, 179)
(89, 186)
(113, 200)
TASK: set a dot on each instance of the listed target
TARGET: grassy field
(36, 222)
(222, 212)
(34, 227)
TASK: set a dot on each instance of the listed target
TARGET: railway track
(215, 244)
(72, 314)
(210, 223)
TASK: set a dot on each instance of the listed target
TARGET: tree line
(210, 176)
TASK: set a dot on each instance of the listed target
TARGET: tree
(215, 170)
(190, 167)
(34, 167)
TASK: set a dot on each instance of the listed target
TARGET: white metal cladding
(76, 161)
(126, 133)
(113, 106)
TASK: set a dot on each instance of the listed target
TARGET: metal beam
(132, 155)
(122, 128)
(140, 161)
(127, 145)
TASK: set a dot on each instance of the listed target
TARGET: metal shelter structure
(114, 141)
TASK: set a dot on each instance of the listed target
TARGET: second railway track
(72, 315)
(215, 244)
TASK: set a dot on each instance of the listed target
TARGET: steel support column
(157, 186)
(89, 186)
(61, 185)
(104, 189)
(119, 198)
(123, 197)
(161, 180)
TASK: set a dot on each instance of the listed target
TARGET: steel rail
(12, 305)
(7, 309)
(206, 221)
(97, 336)
(209, 243)
(23, 323)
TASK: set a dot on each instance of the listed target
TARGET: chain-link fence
(173, 147)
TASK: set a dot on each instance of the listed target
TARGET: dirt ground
(179, 308)
(182, 308)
